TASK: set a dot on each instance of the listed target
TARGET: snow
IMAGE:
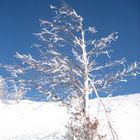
(31, 119)
(126, 116)
(28, 120)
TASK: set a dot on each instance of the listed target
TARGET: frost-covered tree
(72, 64)
(69, 61)
(13, 87)
(2, 85)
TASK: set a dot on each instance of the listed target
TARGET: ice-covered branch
(105, 83)
(94, 67)
(101, 46)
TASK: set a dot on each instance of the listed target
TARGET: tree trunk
(86, 79)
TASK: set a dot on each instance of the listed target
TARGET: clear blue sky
(19, 20)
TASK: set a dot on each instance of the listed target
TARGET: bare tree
(69, 62)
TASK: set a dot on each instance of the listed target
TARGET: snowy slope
(124, 114)
(29, 120)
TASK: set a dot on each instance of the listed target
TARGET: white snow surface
(28, 120)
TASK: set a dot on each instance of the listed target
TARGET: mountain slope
(126, 116)
(29, 120)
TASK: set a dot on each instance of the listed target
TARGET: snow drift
(28, 120)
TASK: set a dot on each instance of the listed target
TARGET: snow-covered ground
(29, 120)
(124, 114)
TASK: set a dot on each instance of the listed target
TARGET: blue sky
(19, 20)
